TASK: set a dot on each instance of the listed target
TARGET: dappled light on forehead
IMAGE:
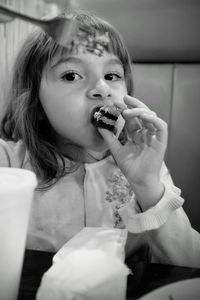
(94, 43)
(91, 41)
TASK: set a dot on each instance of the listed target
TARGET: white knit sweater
(98, 195)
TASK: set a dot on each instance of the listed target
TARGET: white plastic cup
(16, 194)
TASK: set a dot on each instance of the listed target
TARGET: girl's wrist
(149, 194)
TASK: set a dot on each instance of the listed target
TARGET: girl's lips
(119, 106)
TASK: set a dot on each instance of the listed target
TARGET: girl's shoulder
(12, 154)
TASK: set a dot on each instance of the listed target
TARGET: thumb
(111, 140)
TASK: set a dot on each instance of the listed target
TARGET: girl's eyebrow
(114, 61)
(77, 60)
(67, 60)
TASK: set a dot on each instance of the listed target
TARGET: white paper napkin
(110, 240)
(89, 267)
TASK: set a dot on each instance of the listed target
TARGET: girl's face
(70, 89)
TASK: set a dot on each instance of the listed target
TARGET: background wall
(173, 91)
(154, 30)
(163, 40)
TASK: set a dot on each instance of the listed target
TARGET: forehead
(83, 57)
(100, 45)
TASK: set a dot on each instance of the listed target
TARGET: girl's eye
(112, 77)
(71, 76)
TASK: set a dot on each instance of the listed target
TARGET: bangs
(117, 45)
(51, 50)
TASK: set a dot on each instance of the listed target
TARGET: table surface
(145, 278)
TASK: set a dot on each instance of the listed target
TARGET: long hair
(25, 118)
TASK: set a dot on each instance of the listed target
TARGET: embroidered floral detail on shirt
(118, 195)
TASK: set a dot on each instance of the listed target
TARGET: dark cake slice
(106, 117)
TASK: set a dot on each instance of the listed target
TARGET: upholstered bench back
(173, 91)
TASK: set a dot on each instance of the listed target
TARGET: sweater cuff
(154, 217)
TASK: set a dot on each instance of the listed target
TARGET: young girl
(88, 176)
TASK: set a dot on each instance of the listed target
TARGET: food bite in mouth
(106, 117)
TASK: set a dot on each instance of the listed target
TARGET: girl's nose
(100, 91)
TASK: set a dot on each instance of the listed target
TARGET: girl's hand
(141, 158)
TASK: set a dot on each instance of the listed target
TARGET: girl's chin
(98, 144)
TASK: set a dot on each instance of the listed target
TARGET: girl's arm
(162, 221)
(141, 158)
(167, 231)
(174, 242)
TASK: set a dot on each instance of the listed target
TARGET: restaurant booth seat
(172, 90)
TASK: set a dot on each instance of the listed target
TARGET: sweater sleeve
(176, 242)
(166, 228)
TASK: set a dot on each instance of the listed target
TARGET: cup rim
(29, 178)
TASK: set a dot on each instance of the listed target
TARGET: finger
(139, 137)
(136, 112)
(146, 117)
(133, 120)
(111, 140)
(160, 126)
(151, 128)
(133, 125)
(151, 137)
(138, 122)
(134, 102)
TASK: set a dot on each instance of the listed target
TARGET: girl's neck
(93, 156)
(81, 155)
